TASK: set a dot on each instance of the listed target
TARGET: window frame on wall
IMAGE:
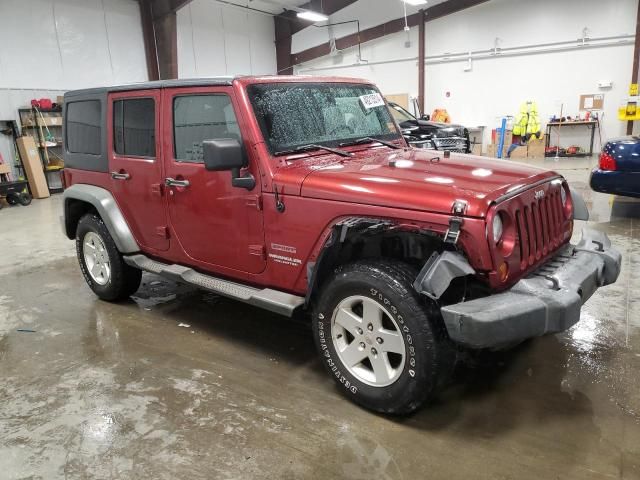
(177, 97)
(122, 100)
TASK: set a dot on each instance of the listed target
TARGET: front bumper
(548, 301)
(619, 182)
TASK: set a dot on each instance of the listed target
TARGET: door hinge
(162, 232)
(257, 250)
(255, 201)
(156, 189)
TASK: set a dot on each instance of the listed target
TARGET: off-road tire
(124, 279)
(428, 352)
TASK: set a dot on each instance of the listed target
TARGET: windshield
(400, 114)
(297, 114)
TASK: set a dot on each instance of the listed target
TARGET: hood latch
(452, 234)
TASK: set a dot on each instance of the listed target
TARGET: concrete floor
(180, 384)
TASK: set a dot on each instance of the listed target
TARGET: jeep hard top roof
(212, 81)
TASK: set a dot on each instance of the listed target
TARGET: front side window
(201, 117)
(296, 114)
(83, 132)
(134, 127)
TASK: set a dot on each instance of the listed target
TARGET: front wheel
(376, 338)
(101, 263)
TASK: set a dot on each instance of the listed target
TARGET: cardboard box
(536, 148)
(60, 99)
(520, 152)
(495, 137)
(33, 167)
(492, 151)
(476, 150)
(4, 169)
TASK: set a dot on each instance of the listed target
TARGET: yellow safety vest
(527, 122)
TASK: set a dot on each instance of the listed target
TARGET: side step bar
(272, 300)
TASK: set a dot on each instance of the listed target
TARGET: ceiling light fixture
(415, 3)
(312, 16)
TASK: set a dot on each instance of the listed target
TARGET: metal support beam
(149, 36)
(162, 8)
(288, 23)
(393, 26)
(283, 45)
(167, 45)
(421, 60)
(159, 28)
(636, 63)
(328, 7)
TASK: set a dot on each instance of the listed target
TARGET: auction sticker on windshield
(372, 100)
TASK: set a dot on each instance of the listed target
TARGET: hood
(413, 179)
(428, 127)
(438, 125)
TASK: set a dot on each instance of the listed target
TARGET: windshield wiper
(362, 141)
(308, 148)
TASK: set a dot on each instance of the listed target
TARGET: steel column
(636, 63)
(421, 60)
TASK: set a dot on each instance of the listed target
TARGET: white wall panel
(30, 55)
(49, 46)
(82, 36)
(237, 44)
(67, 44)
(214, 39)
(496, 87)
(263, 51)
(126, 43)
(186, 49)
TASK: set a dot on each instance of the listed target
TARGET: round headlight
(497, 228)
(563, 196)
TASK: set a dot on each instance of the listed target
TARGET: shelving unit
(591, 126)
(45, 126)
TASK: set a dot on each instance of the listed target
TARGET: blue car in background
(618, 170)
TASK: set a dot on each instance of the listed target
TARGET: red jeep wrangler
(297, 193)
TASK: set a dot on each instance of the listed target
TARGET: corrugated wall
(49, 47)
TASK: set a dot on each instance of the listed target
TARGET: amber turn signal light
(503, 271)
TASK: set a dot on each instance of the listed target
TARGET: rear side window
(83, 127)
(134, 127)
(201, 117)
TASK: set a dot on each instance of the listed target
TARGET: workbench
(590, 125)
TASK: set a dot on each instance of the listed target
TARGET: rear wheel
(376, 338)
(101, 263)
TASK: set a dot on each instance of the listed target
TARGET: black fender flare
(106, 206)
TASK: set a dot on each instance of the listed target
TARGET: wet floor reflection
(178, 383)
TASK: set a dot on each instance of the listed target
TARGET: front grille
(539, 227)
(450, 142)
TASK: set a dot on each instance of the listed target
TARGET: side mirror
(223, 154)
(228, 154)
(426, 117)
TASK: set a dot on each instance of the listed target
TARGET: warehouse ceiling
(276, 6)
(271, 6)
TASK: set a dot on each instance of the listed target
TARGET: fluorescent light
(415, 3)
(312, 16)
